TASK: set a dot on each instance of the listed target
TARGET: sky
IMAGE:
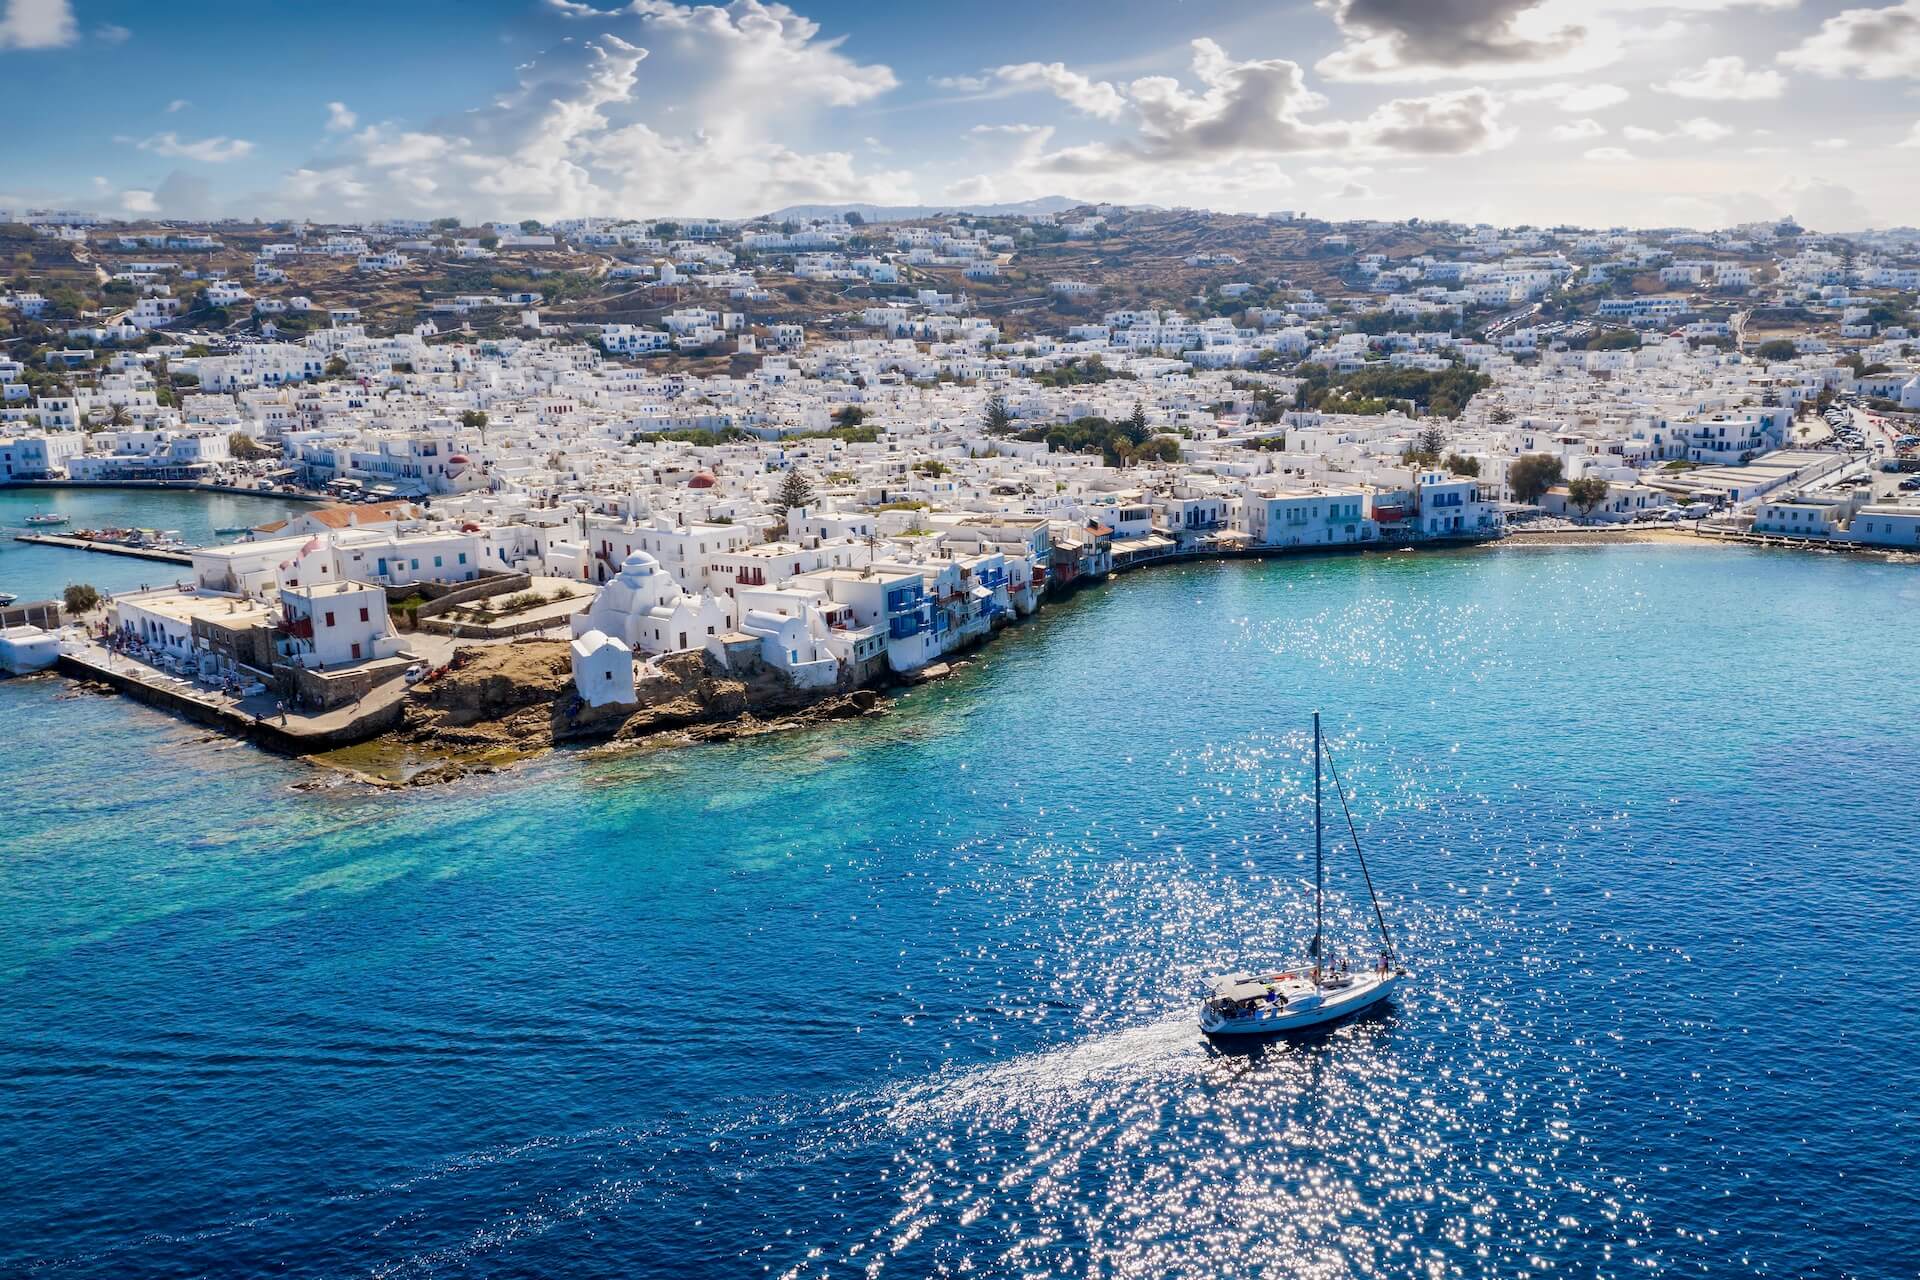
(1596, 112)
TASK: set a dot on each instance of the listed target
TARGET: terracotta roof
(342, 516)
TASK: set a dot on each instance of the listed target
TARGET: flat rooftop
(185, 607)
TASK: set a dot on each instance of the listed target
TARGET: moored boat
(1316, 992)
(46, 517)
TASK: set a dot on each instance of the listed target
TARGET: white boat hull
(1365, 991)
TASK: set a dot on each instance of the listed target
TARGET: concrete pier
(105, 548)
(255, 718)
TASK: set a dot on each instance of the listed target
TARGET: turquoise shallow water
(916, 996)
(42, 573)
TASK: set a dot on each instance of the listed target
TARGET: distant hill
(908, 212)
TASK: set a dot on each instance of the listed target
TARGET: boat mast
(1319, 875)
(1379, 917)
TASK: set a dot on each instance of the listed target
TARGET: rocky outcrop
(519, 698)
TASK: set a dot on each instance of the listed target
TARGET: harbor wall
(262, 732)
(185, 485)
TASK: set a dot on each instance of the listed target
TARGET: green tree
(1532, 475)
(1460, 466)
(851, 415)
(1587, 493)
(475, 420)
(529, 226)
(1136, 424)
(1614, 340)
(853, 218)
(80, 598)
(1776, 349)
(1431, 440)
(795, 491)
(446, 224)
(1500, 416)
(247, 449)
(998, 421)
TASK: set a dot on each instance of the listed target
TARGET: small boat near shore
(154, 539)
(1314, 992)
(46, 518)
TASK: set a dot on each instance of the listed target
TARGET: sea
(34, 573)
(917, 995)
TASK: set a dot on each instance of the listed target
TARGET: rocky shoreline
(515, 701)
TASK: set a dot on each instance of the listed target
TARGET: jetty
(262, 718)
(105, 548)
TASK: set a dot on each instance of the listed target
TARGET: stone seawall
(289, 740)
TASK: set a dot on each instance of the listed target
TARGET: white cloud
(37, 24)
(583, 129)
(386, 148)
(112, 33)
(1698, 129)
(1826, 206)
(1463, 122)
(1006, 155)
(767, 51)
(1244, 106)
(1226, 131)
(1726, 79)
(135, 200)
(1422, 39)
(206, 150)
(1574, 98)
(1338, 172)
(1873, 44)
(1577, 130)
(1831, 144)
(1913, 136)
(1703, 129)
(177, 105)
(1693, 6)
(961, 84)
(1607, 155)
(1091, 97)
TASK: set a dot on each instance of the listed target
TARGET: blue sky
(1639, 112)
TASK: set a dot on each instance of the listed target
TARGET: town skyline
(1629, 112)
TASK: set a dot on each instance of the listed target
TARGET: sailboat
(1316, 992)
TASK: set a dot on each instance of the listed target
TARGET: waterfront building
(602, 669)
(332, 624)
(1304, 517)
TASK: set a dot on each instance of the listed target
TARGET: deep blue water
(916, 996)
(42, 573)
